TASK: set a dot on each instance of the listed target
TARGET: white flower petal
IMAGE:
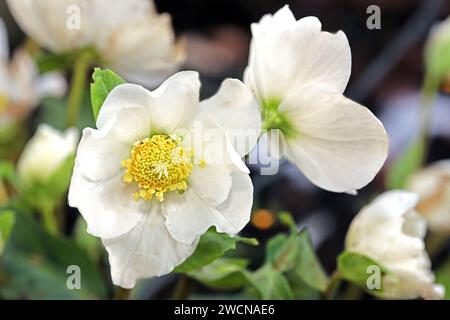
(286, 55)
(175, 102)
(147, 250)
(341, 145)
(107, 205)
(391, 232)
(144, 50)
(45, 152)
(101, 152)
(235, 109)
(188, 216)
(123, 97)
(433, 186)
(211, 182)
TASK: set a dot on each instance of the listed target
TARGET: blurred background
(386, 77)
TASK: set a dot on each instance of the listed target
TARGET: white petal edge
(236, 110)
(340, 146)
(147, 250)
(188, 216)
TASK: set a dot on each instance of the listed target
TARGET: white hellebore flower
(45, 152)
(433, 186)
(298, 74)
(129, 36)
(21, 86)
(159, 171)
(391, 232)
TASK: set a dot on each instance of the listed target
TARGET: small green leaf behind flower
(104, 82)
(357, 268)
(212, 245)
(7, 221)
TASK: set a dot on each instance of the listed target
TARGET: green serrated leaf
(282, 252)
(7, 221)
(223, 274)
(104, 82)
(36, 265)
(308, 267)
(212, 245)
(355, 268)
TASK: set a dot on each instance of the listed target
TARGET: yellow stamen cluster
(157, 164)
(3, 102)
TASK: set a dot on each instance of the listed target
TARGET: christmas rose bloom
(45, 152)
(298, 74)
(21, 86)
(159, 170)
(391, 232)
(128, 36)
(433, 186)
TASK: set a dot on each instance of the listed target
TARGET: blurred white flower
(21, 86)
(433, 186)
(129, 36)
(437, 50)
(298, 74)
(159, 171)
(391, 232)
(45, 152)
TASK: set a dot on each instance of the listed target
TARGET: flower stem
(77, 87)
(49, 218)
(122, 294)
(333, 286)
(182, 288)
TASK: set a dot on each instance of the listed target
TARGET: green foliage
(36, 263)
(437, 58)
(7, 221)
(354, 268)
(223, 274)
(270, 284)
(443, 277)
(104, 82)
(212, 245)
(406, 164)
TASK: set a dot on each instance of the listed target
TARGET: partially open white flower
(391, 232)
(433, 186)
(45, 152)
(129, 36)
(159, 171)
(21, 86)
(298, 74)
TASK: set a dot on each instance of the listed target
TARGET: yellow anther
(157, 165)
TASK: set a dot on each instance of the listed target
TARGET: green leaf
(104, 82)
(295, 253)
(223, 274)
(308, 267)
(212, 245)
(8, 173)
(92, 245)
(406, 164)
(443, 277)
(354, 267)
(36, 265)
(7, 221)
(47, 62)
(270, 284)
(54, 189)
(282, 252)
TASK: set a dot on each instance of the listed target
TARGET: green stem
(428, 92)
(333, 286)
(122, 294)
(77, 87)
(182, 288)
(49, 218)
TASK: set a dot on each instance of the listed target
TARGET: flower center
(157, 164)
(3, 102)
